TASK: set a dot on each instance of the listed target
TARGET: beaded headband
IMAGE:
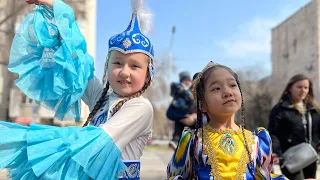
(196, 81)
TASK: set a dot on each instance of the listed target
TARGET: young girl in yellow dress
(49, 53)
(219, 148)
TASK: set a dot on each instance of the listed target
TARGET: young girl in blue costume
(220, 149)
(49, 54)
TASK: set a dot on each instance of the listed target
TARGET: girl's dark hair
(200, 100)
(120, 104)
(201, 85)
(309, 100)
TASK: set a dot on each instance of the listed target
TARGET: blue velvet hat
(132, 39)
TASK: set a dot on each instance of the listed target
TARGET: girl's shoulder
(140, 100)
(259, 133)
(262, 139)
(259, 137)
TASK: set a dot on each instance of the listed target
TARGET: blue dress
(46, 152)
(49, 54)
(193, 156)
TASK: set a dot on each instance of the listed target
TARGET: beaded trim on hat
(196, 81)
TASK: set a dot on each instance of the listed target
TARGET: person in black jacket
(289, 122)
(182, 110)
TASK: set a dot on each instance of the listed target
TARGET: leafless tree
(11, 14)
(257, 98)
(158, 94)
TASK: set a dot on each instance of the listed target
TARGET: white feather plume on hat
(144, 14)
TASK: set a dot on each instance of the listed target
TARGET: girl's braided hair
(198, 94)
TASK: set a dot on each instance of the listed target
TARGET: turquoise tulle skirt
(49, 54)
(55, 153)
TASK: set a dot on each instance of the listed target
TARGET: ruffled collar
(224, 131)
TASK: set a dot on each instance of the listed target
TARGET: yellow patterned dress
(209, 154)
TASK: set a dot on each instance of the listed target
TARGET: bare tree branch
(4, 31)
(12, 14)
(257, 98)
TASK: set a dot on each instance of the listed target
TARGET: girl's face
(127, 73)
(299, 90)
(221, 93)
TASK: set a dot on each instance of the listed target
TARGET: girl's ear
(203, 107)
(148, 78)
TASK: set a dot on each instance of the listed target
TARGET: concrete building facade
(295, 49)
(14, 104)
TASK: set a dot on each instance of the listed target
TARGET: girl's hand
(189, 120)
(42, 2)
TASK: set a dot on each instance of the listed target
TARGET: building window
(24, 99)
(285, 55)
(27, 101)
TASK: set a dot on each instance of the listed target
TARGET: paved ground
(153, 164)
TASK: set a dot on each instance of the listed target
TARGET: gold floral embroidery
(224, 131)
(228, 145)
(245, 159)
(197, 80)
(209, 149)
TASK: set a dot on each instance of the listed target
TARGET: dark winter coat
(286, 127)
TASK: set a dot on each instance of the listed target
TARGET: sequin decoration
(228, 145)
(126, 43)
